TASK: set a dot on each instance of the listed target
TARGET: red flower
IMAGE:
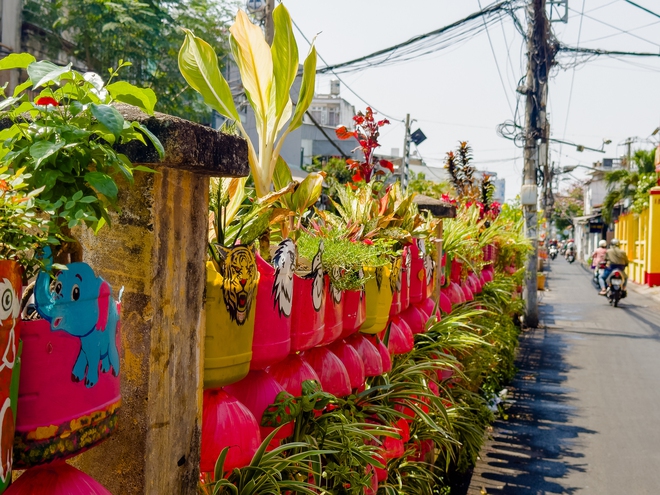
(368, 242)
(47, 100)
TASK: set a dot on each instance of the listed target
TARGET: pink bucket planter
(274, 303)
(57, 478)
(415, 318)
(406, 271)
(417, 276)
(445, 302)
(291, 373)
(354, 312)
(331, 371)
(334, 311)
(373, 363)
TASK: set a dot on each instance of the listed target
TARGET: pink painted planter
(417, 290)
(334, 309)
(291, 373)
(428, 306)
(227, 423)
(354, 312)
(83, 416)
(469, 296)
(415, 318)
(456, 294)
(373, 363)
(257, 391)
(384, 352)
(331, 371)
(401, 338)
(456, 270)
(272, 321)
(351, 361)
(308, 313)
(445, 303)
(406, 271)
(58, 478)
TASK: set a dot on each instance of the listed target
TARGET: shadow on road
(537, 445)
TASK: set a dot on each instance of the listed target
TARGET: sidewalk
(584, 417)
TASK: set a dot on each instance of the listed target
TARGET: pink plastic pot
(415, 318)
(406, 271)
(308, 313)
(373, 363)
(417, 290)
(272, 322)
(488, 274)
(291, 373)
(227, 423)
(469, 296)
(334, 308)
(372, 489)
(257, 391)
(352, 362)
(384, 352)
(57, 478)
(401, 338)
(330, 370)
(473, 283)
(428, 306)
(456, 294)
(76, 416)
(456, 271)
(445, 303)
(354, 312)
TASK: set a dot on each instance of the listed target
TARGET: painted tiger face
(379, 276)
(240, 282)
(284, 262)
(395, 277)
(319, 285)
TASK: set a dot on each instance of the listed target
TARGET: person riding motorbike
(570, 248)
(617, 259)
(598, 259)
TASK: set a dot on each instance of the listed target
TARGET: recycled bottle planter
(10, 332)
(291, 373)
(57, 478)
(69, 389)
(274, 298)
(456, 271)
(351, 360)
(445, 303)
(230, 317)
(397, 279)
(415, 318)
(257, 391)
(331, 371)
(469, 296)
(428, 305)
(334, 310)
(473, 283)
(309, 301)
(417, 277)
(227, 423)
(488, 274)
(373, 362)
(406, 270)
(401, 339)
(379, 291)
(456, 294)
(354, 312)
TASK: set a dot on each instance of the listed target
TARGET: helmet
(602, 243)
(571, 240)
(614, 242)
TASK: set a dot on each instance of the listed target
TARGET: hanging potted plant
(64, 140)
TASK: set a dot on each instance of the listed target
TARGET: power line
(492, 49)
(597, 52)
(643, 8)
(618, 28)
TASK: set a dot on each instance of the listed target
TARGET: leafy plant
(462, 172)
(65, 139)
(22, 230)
(267, 74)
(367, 131)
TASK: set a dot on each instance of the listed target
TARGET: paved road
(587, 414)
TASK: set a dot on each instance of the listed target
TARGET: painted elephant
(81, 304)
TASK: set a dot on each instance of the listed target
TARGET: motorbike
(597, 271)
(553, 252)
(570, 257)
(615, 290)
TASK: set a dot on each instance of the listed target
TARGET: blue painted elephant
(81, 304)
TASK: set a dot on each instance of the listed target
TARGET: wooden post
(156, 249)
(438, 209)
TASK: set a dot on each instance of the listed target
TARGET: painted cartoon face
(408, 265)
(379, 276)
(395, 277)
(6, 440)
(336, 293)
(9, 302)
(10, 307)
(429, 266)
(318, 286)
(421, 247)
(240, 281)
(284, 262)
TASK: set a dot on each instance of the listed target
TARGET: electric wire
(617, 28)
(643, 8)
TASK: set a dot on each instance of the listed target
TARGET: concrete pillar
(156, 249)
(652, 275)
(11, 25)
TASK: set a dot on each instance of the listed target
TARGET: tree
(632, 183)
(420, 184)
(96, 34)
(568, 205)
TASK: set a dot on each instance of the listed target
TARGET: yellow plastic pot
(378, 292)
(230, 306)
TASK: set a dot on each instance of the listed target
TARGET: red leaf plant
(367, 130)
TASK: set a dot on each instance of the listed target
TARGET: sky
(457, 94)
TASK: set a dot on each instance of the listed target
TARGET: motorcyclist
(570, 248)
(598, 257)
(617, 259)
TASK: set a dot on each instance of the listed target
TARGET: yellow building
(640, 239)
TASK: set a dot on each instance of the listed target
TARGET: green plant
(65, 139)
(267, 74)
(22, 230)
(421, 185)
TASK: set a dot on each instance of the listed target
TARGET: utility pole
(540, 56)
(628, 142)
(270, 25)
(403, 171)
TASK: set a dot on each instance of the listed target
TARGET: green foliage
(568, 206)
(65, 140)
(98, 33)
(22, 230)
(335, 169)
(421, 185)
